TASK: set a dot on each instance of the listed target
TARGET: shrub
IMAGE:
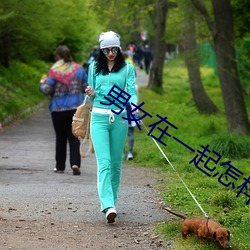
(224, 200)
(231, 146)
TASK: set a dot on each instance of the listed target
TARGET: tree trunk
(201, 99)
(235, 108)
(159, 47)
(223, 38)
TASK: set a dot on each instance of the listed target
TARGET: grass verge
(195, 130)
(19, 89)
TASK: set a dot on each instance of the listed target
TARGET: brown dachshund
(204, 228)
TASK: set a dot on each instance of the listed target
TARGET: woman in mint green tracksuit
(108, 129)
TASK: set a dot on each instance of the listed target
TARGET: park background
(199, 80)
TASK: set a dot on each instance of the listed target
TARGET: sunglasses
(106, 51)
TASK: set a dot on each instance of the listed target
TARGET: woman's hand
(135, 111)
(43, 79)
(90, 91)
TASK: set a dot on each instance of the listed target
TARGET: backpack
(81, 125)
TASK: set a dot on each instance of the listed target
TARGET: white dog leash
(177, 173)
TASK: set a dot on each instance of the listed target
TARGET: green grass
(194, 129)
(19, 87)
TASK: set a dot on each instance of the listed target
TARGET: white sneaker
(58, 171)
(76, 170)
(111, 214)
(129, 156)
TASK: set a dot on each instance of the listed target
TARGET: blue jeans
(108, 139)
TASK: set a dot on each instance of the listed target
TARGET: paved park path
(40, 209)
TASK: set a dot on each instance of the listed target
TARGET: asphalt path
(26, 177)
(30, 190)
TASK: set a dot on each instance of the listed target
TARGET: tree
(223, 38)
(127, 17)
(201, 99)
(159, 46)
(28, 33)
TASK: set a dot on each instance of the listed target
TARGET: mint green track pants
(108, 139)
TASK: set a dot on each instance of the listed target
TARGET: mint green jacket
(102, 84)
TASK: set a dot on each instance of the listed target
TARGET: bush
(224, 200)
(231, 146)
(19, 88)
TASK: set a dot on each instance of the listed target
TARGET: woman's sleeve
(81, 74)
(131, 84)
(47, 87)
(91, 78)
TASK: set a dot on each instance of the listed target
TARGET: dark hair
(102, 67)
(64, 53)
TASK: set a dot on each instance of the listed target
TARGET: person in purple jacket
(65, 83)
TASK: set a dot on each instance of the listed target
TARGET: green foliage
(176, 18)
(29, 33)
(19, 87)
(128, 18)
(243, 59)
(175, 25)
(241, 17)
